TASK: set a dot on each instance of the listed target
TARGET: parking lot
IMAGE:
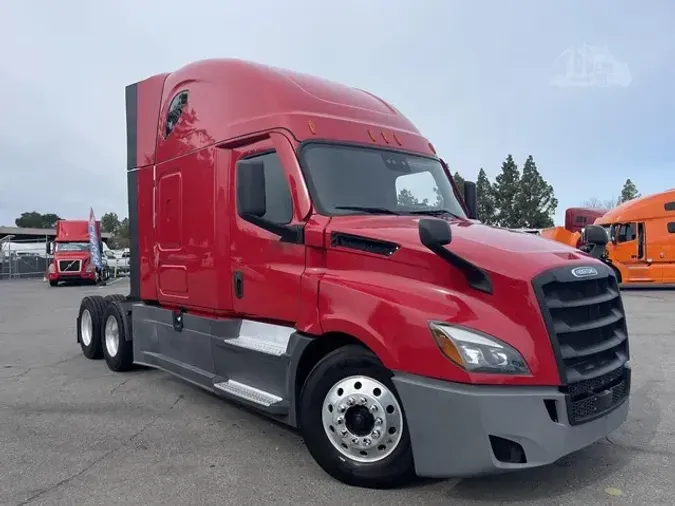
(73, 432)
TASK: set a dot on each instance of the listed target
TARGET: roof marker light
(372, 136)
(384, 137)
(398, 141)
(312, 127)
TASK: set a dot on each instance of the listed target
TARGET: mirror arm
(294, 234)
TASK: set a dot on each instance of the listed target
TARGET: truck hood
(500, 251)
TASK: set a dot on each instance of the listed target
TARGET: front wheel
(353, 423)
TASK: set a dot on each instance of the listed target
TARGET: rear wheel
(53, 282)
(118, 352)
(89, 326)
(115, 296)
(353, 423)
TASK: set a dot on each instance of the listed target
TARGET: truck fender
(367, 335)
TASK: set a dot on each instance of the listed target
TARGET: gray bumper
(450, 425)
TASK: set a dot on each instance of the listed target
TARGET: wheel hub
(359, 420)
(86, 328)
(362, 419)
(112, 336)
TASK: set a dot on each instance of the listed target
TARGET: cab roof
(648, 206)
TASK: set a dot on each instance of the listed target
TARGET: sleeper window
(175, 110)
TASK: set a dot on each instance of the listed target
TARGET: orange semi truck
(71, 260)
(642, 239)
(576, 218)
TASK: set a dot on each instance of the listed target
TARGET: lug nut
(350, 401)
(344, 433)
(367, 441)
(342, 408)
(355, 440)
(373, 408)
(340, 420)
(378, 421)
(375, 434)
(363, 400)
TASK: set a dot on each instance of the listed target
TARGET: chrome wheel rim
(362, 419)
(86, 327)
(112, 336)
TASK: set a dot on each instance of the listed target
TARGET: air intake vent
(341, 240)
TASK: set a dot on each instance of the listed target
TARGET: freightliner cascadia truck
(275, 263)
(71, 259)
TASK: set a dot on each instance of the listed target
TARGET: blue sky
(474, 76)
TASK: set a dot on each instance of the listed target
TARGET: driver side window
(626, 233)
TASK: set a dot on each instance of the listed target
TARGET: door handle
(238, 284)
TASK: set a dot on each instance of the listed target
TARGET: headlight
(476, 352)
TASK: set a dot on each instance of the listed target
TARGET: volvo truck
(285, 255)
(70, 254)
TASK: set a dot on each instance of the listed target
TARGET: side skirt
(249, 362)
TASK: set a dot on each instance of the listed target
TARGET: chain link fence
(23, 258)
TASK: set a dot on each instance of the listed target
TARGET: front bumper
(458, 430)
(65, 276)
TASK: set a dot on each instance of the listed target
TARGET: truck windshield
(71, 246)
(361, 180)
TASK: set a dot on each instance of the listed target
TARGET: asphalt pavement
(74, 433)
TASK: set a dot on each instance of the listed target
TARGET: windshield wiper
(434, 212)
(370, 210)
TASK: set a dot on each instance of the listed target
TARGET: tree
(406, 198)
(485, 196)
(439, 198)
(596, 203)
(535, 202)
(506, 190)
(110, 223)
(459, 181)
(122, 236)
(33, 219)
(628, 192)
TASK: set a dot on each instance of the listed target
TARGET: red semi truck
(576, 218)
(274, 264)
(70, 249)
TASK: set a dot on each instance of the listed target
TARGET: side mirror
(251, 188)
(471, 199)
(434, 232)
(252, 205)
(49, 248)
(594, 234)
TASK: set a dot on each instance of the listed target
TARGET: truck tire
(352, 421)
(118, 352)
(89, 326)
(115, 296)
(53, 283)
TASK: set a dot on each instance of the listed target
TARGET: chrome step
(248, 393)
(257, 344)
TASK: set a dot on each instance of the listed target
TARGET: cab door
(632, 252)
(662, 244)
(267, 272)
